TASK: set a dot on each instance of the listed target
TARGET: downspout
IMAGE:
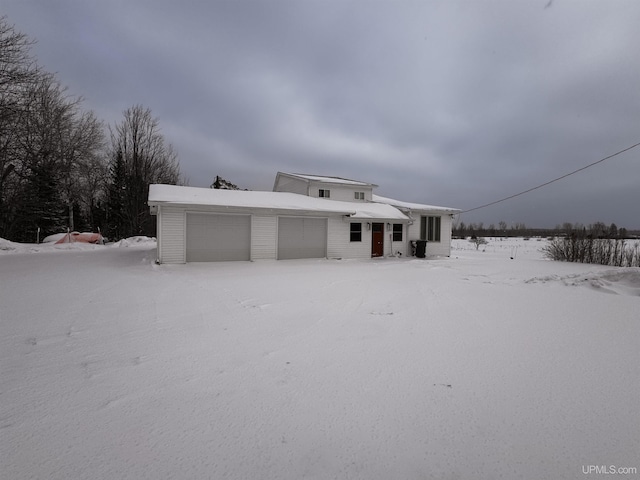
(450, 232)
(409, 250)
(158, 234)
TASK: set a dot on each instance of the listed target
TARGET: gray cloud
(454, 103)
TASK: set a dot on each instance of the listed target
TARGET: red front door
(377, 240)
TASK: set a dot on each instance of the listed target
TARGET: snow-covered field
(477, 366)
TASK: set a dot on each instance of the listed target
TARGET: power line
(551, 181)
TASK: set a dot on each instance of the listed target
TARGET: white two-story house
(305, 216)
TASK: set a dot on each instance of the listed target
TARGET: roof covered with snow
(413, 206)
(326, 179)
(177, 195)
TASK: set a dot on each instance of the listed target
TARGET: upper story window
(324, 193)
(358, 195)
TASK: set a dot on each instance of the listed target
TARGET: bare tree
(145, 158)
(92, 188)
(477, 241)
(50, 151)
(55, 140)
(17, 69)
(83, 164)
(18, 72)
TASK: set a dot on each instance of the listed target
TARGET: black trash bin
(421, 248)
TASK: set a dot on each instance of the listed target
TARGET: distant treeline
(596, 230)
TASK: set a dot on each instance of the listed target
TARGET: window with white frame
(358, 195)
(356, 232)
(324, 193)
(397, 232)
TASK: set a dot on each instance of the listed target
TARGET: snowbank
(49, 245)
(138, 241)
(7, 246)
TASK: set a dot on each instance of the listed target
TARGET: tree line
(595, 230)
(62, 168)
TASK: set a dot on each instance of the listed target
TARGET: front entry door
(377, 240)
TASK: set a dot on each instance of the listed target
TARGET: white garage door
(218, 238)
(302, 238)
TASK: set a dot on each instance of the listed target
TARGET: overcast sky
(453, 103)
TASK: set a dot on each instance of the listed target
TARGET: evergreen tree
(40, 205)
(116, 224)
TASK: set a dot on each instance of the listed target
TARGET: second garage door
(217, 238)
(301, 237)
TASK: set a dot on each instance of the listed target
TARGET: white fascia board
(337, 181)
(257, 209)
(414, 207)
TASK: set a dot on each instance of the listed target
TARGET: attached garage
(217, 237)
(211, 225)
(302, 237)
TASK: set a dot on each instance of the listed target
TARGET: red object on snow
(74, 237)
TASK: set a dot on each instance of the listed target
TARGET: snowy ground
(473, 367)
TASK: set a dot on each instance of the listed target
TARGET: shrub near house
(586, 249)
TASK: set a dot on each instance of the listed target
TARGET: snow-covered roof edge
(179, 195)
(328, 179)
(413, 206)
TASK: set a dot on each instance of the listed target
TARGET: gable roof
(326, 179)
(279, 201)
(413, 206)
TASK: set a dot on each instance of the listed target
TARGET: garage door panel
(300, 237)
(216, 238)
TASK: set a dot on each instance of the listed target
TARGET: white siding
(397, 247)
(343, 193)
(444, 247)
(441, 248)
(339, 244)
(263, 237)
(171, 235)
(413, 233)
(172, 231)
